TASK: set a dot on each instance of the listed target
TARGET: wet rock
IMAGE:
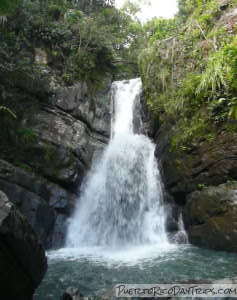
(210, 217)
(94, 110)
(172, 217)
(70, 134)
(38, 213)
(179, 237)
(207, 164)
(59, 231)
(22, 259)
(150, 123)
(138, 125)
(72, 294)
(174, 224)
(42, 202)
(188, 175)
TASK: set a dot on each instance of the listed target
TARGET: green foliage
(7, 7)
(215, 76)
(159, 28)
(80, 45)
(47, 43)
(230, 54)
(191, 131)
(186, 7)
(190, 73)
(131, 8)
(204, 9)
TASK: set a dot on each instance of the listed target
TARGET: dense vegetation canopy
(188, 64)
(189, 70)
(45, 44)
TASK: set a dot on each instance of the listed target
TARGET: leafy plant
(7, 7)
(190, 73)
(215, 75)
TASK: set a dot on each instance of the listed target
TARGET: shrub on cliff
(189, 73)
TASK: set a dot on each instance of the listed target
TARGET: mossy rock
(211, 217)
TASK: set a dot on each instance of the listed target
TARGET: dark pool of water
(96, 270)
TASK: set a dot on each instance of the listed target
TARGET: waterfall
(122, 201)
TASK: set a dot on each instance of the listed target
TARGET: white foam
(130, 256)
(122, 201)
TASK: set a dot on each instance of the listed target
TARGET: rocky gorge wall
(199, 185)
(56, 71)
(195, 134)
(70, 133)
(202, 184)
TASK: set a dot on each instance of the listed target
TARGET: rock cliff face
(196, 128)
(22, 259)
(211, 217)
(200, 184)
(203, 184)
(210, 163)
(70, 134)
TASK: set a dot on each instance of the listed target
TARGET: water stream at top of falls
(121, 203)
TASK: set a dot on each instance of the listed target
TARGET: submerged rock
(179, 237)
(22, 258)
(72, 294)
(210, 216)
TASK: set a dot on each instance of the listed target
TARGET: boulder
(22, 258)
(210, 217)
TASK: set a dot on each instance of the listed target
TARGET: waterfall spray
(122, 201)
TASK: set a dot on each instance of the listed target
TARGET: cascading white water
(121, 203)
